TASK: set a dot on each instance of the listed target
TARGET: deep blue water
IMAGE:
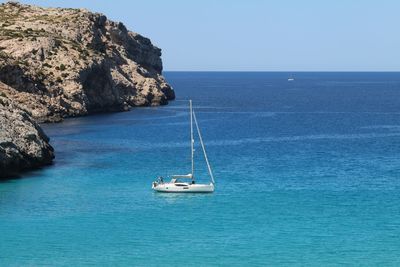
(308, 173)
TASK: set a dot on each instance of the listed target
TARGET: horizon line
(371, 71)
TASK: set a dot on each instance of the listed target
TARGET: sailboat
(179, 183)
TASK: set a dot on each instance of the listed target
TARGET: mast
(191, 138)
(204, 149)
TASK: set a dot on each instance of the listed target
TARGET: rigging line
(191, 137)
(202, 146)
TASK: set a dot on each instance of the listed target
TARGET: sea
(307, 174)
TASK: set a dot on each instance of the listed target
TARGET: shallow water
(307, 174)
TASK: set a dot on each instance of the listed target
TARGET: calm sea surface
(307, 172)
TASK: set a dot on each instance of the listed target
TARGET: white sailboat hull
(178, 186)
(183, 188)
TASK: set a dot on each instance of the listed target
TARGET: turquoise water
(307, 174)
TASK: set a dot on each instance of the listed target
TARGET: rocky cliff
(23, 145)
(61, 62)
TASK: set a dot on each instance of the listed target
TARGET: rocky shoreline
(63, 62)
(23, 144)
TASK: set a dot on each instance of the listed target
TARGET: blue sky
(256, 35)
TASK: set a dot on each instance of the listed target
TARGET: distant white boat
(290, 79)
(176, 185)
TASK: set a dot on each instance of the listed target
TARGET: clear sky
(256, 35)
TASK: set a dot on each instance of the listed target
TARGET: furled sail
(189, 176)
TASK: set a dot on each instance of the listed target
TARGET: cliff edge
(63, 62)
(23, 144)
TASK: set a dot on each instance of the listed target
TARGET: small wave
(305, 137)
(387, 127)
(245, 141)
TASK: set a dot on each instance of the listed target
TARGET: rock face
(63, 62)
(23, 144)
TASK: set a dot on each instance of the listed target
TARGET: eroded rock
(62, 62)
(23, 144)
